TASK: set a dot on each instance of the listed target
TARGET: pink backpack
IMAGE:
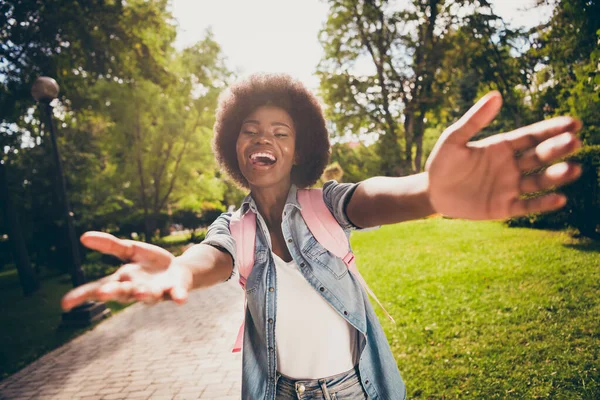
(322, 225)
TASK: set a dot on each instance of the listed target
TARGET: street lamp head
(44, 89)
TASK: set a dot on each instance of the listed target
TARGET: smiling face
(266, 147)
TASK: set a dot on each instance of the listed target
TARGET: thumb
(478, 117)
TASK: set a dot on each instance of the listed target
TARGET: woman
(310, 331)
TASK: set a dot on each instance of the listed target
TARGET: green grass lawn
(483, 311)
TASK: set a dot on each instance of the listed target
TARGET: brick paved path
(145, 352)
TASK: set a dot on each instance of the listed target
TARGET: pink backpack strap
(243, 230)
(330, 234)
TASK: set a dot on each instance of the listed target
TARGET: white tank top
(312, 339)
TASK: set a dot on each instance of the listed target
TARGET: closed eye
(249, 132)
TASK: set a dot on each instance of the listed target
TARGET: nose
(263, 137)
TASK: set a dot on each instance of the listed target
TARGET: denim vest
(328, 275)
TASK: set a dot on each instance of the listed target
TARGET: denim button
(300, 388)
(290, 240)
(271, 289)
(270, 320)
(322, 289)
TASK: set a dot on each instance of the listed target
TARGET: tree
(157, 136)
(383, 69)
(567, 51)
(567, 55)
(27, 277)
(393, 97)
(83, 45)
(357, 161)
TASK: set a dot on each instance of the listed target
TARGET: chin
(266, 181)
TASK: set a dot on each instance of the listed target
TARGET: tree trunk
(409, 130)
(29, 282)
(419, 130)
(391, 160)
(149, 226)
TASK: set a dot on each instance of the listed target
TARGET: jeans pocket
(354, 392)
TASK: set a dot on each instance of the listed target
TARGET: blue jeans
(344, 386)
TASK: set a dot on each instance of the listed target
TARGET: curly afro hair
(280, 90)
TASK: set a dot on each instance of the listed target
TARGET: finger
(531, 135)
(117, 291)
(125, 294)
(80, 294)
(155, 294)
(141, 292)
(477, 118)
(108, 244)
(545, 203)
(148, 294)
(150, 255)
(127, 250)
(553, 176)
(178, 294)
(548, 151)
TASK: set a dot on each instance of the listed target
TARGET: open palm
(149, 275)
(487, 179)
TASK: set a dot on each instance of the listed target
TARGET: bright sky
(281, 35)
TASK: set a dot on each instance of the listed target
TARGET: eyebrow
(253, 121)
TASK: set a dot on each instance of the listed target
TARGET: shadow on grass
(586, 245)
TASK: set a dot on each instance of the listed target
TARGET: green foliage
(134, 119)
(568, 52)
(77, 42)
(486, 312)
(582, 210)
(198, 217)
(484, 54)
(96, 271)
(333, 172)
(358, 162)
(397, 69)
(568, 82)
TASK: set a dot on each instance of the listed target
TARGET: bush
(135, 222)
(202, 216)
(94, 271)
(582, 210)
(198, 237)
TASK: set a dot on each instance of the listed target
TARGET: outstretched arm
(150, 273)
(479, 180)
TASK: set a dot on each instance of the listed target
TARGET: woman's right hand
(150, 274)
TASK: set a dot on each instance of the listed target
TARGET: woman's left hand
(486, 179)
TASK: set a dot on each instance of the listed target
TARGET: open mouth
(262, 159)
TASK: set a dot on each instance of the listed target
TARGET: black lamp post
(44, 90)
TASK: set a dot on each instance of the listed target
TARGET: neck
(270, 202)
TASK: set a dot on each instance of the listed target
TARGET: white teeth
(254, 156)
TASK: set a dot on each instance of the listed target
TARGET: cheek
(294, 155)
(239, 149)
